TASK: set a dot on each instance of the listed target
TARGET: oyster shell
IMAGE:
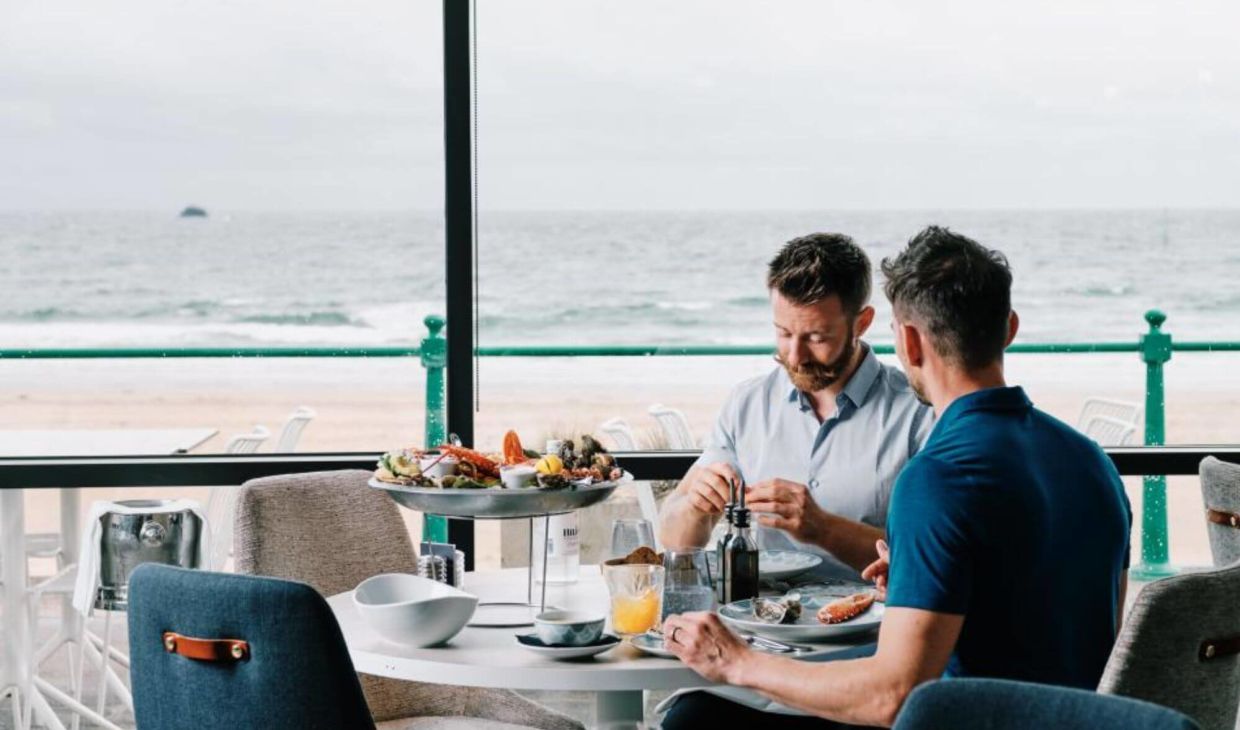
(590, 447)
(784, 610)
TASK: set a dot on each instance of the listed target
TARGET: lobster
(485, 465)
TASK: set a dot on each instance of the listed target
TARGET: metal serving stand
(498, 503)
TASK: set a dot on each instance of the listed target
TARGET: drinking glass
(636, 597)
(628, 535)
(686, 584)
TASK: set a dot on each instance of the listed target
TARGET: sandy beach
(377, 404)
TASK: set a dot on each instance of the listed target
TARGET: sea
(138, 279)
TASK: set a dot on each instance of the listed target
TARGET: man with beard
(818, 441)
(1009, 530)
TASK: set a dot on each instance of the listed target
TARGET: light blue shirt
(767, 429)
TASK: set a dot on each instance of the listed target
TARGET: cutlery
(777, 646)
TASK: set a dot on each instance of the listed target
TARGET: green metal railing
(1154, 347)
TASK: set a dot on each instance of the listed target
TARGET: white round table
(491, 657)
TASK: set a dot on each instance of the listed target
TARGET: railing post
(1155, 351)
(434, 351)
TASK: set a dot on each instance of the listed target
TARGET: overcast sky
(317, 104)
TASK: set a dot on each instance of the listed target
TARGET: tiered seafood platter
(455, 481)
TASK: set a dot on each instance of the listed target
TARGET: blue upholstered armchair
(992, 704)
(214, 650)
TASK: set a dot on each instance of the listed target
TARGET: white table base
(621, 706)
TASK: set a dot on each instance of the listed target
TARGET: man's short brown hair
(958, 289)
(811, 268)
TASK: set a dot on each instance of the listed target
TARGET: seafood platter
(798, 617)
(455, 481)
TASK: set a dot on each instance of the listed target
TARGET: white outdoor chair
(1108, 431)
(620, 433)
(248, 443)
(293, 427)
(1122, 410)
(675, 427)
(222, 501)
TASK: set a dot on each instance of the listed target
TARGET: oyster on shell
(784, 610)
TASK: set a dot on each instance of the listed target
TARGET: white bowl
(518, 476)
(407, 609)
(569, 628)
(434, 467)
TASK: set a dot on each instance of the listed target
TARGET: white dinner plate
(775, 564)
(784, 564)
(535, 644)
(807, 628)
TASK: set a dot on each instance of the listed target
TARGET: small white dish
(407, 609)
(651, 644)
(518, 476)
(536, 645)
(569, 628)
(435, 467)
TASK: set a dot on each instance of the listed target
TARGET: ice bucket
(151, 534)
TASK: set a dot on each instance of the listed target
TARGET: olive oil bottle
(740, 563)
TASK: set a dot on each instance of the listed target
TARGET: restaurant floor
(579, 705)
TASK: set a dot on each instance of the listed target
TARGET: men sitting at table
(818, 441)
(1009, 530)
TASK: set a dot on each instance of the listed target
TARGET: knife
(778, 646)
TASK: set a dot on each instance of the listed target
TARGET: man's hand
(701, 641)
(708, 491)
(788, 506)
(877, 570)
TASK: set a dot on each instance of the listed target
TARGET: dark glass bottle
(721, 583)
(741, 557)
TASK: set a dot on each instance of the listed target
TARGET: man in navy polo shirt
(1009, 530)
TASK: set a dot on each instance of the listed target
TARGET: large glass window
(640, 164)
(192, 176)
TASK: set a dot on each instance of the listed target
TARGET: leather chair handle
(1219, 517)
(1218, 648)
(207, 650)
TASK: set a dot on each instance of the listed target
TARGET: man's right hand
(878, 570)
(708, 491)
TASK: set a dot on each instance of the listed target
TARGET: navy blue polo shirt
(1019, 523)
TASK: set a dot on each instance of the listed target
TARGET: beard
(811, 377)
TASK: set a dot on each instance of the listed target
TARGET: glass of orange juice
(636, 597)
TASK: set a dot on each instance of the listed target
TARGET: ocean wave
(48, 314)
(303, 319)
(685, 306)
(748, 301)
(113, 333)
(1099, 290)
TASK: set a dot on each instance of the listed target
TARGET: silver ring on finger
(672, 638)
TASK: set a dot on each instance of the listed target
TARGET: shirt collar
(988, 399)
(855, 391)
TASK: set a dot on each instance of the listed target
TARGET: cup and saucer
(568, 635)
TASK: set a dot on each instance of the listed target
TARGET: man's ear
(865, 318)
(912, 344)
(1013, 326)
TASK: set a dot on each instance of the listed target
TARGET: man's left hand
(788, 506)
(701, 641)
